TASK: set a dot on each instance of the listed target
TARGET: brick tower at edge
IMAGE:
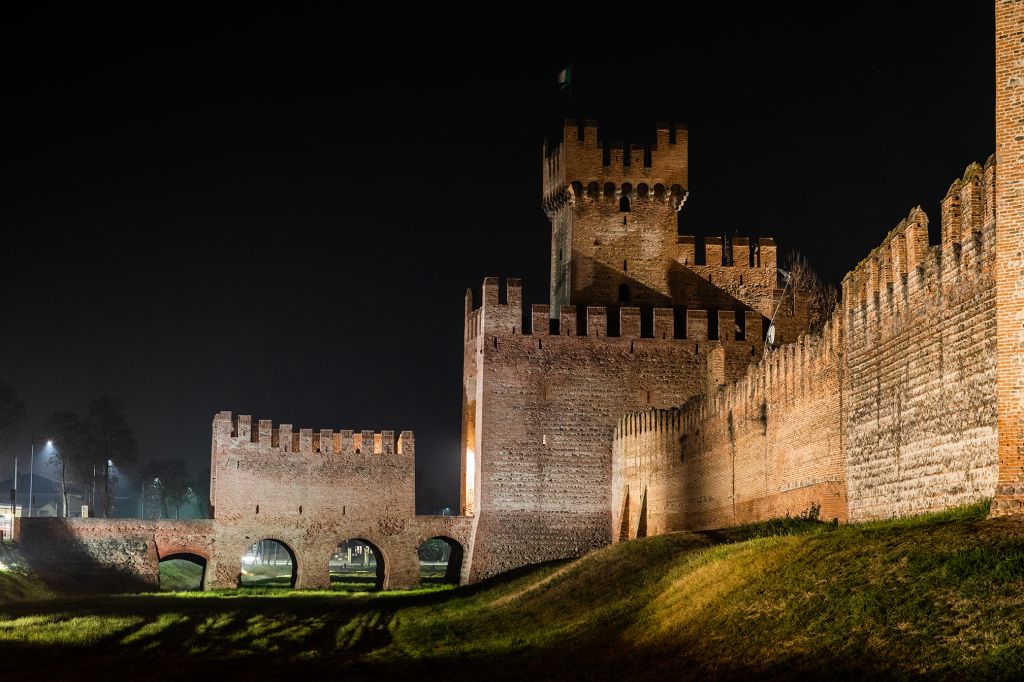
(1009, 263)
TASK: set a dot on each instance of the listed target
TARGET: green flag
(565, 77)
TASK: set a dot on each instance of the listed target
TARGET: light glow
(470, 482)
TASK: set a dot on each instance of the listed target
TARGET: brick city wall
(311, 491)
(920, 357)
(539, 411)
(890, 411)
(1009, 259)
(314, 490)
(766, 445)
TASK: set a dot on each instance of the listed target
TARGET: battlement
(784, 375)
(895, 276)
(787, 374)
(738, 252)
(969, 205)
(585, 166)
(496, 318)
(652, 420)
(325, 442)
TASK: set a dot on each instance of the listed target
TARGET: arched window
(659, 191)
(641, 190)
(623, 293)
(593, 190)
(624, 204)
(609, 190)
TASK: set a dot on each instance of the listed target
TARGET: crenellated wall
(539, 408)
(891, 410)
(768, 444)
(920, 358)
(310, 490)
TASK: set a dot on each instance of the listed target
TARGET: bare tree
(112, 441)
(71, 447)
(821, 297)
(170, 484)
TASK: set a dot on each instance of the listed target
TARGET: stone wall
(890, 411)
(108, 555)
(768, 445)
(313, 490)
(309, 491)
(920, 356)
(540, 409)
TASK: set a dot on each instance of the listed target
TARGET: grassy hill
(938, 596)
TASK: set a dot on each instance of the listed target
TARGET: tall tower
(613, 216)
(1009, 261)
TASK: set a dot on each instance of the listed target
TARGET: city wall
(539, 408)
(309, 490)
(889, 411)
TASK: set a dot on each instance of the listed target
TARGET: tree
(12, 413)
(821, 297)
(71, 447)
(170, 484)
(201, 489)
(112, 441)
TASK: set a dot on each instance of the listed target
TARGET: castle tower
(1009, 261)
(613, 216)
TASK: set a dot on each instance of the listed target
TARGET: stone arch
(593, 190)
(642, 190)
(609, 190)
(380, 560)
(292, 556)
(192, 557)
(456, 556)
(659, 191)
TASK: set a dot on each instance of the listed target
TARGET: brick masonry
(1009, 262)
(308, 490)
(641, 400)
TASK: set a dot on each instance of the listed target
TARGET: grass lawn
(939, 596)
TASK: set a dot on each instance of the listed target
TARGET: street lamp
(31, 474)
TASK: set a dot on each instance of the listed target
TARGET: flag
(565, 77)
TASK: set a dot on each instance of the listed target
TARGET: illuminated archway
(269, 563)
(357, 565)
(182, 572)
(440, 561)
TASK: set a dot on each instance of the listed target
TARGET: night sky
(279, 214)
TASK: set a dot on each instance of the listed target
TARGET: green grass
(934, 597)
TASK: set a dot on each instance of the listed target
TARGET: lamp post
(31, 473)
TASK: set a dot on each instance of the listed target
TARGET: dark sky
(279, 214)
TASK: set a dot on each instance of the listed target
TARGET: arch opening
(269, 563)
(609, 190)
(593, 190)
(182, 572)
(356, 565)
(440, 561)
